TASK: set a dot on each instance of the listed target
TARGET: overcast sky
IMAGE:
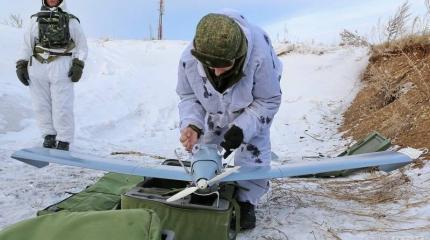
(297, 20)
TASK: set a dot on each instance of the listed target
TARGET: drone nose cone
(202, 184)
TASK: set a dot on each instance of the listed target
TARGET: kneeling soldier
(229, 89)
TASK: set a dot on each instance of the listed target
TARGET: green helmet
(219, 40)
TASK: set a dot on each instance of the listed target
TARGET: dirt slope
(395, 99)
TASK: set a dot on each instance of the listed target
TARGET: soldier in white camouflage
(229, 86)
(51, 61)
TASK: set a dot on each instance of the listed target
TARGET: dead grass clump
(410, 44)
(369, 191)
(399, 33)
(383, 189)
(396, 27)
(349, 38)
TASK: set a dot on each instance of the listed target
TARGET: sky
(296, 20)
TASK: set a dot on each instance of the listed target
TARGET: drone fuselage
(206, 164)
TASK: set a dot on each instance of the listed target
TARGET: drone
(207, 170)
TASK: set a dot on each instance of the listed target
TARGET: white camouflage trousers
(52, 96)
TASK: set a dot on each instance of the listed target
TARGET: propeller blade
(182, 194)
(224, 174)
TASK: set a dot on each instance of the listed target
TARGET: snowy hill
(126, 101)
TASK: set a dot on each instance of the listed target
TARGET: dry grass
(385, 198)
(371, 191)
(395, 99)
(396, 27)
(410, 62)
(375, 190)
(349, 38)
(400, 32)
(394, 47)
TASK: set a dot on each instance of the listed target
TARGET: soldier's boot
(63, 146)
(247, 216)
(49, 141)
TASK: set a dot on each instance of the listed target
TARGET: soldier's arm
(78, 36)
(28, 41)
(191, 112)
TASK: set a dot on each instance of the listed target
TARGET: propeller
(202, 184)
(182, 194)
(224, 174)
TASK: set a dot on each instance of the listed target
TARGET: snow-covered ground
(127, 102)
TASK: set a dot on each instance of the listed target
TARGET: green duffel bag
(136, 224)
(196, 217)
(105, 194)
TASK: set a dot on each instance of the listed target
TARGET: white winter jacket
(249, 104)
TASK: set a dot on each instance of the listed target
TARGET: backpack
(54, 32)
(105, 194)
(134, 224)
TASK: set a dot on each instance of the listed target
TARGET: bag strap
(71, 16)
(54, 207)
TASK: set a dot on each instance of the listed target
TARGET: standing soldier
(52, 59)
(229, 88)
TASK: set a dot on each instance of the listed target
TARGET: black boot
(247, 216)
(63, 146)
(49, 141)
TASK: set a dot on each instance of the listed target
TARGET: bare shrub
(396, 27)
(15, 20)
(352, 39)
(385, 84)
(382, 189)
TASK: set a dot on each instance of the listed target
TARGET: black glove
(233, 138)
(22, 71)
(75, 72)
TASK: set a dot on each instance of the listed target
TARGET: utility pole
(160, 21)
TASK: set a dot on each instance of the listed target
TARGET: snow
(126, 101)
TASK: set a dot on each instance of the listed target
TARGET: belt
(52, 56)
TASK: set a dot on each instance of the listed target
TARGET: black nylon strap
(59, 54)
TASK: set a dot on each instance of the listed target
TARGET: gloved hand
(75, 72)
(233, 138)
(22, 71)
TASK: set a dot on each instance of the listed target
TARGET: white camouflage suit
(249, 104)
(50, 87)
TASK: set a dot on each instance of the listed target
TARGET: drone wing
(385, 161)
(41, 157)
